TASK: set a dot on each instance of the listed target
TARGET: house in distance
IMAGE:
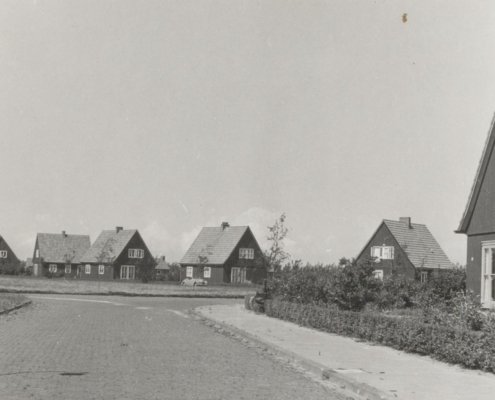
(58, 253)
(117, 254)
(478, 223)
(8, 260)
(405, 248)
(224, 254)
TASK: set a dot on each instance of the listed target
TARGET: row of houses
(231, 254)
(224, 254)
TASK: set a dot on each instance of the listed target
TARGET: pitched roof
(478, 181)
(108, 246)
(419, 244)
(162, 264)
(214, 243)
(61, 247)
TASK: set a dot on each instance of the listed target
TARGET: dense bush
(455, 345)
(349, 287)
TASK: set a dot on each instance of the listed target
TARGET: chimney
(225, 225)
(163, 258)
(118, 229)
(64, 234)
(407, 221)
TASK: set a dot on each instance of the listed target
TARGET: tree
(276, 255)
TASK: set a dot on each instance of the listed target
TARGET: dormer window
(245, 253)
(135, 253)
(382, 252)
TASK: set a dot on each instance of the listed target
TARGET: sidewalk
(392, 373)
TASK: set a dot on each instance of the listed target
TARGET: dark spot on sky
(404, 17)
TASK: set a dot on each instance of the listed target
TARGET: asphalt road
(89, 347)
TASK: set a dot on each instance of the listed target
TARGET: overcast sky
(166, 116)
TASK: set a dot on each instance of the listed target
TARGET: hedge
(457, 346)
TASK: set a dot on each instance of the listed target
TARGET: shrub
(455, 345)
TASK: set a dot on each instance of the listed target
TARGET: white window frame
(423, 276)
(87, 269)
(207, 272)
(487, 275)
(3, 253)
(189, 272)
(127, 272)
(52, 268)
(246, 253)
(378, 274)
(135, 253)
(37, 253)
(383, 252)
(68, 269)
(101, 269)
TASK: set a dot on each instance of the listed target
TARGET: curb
(126, 294)
(8, 310)
(350, 388)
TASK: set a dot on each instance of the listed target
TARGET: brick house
(58, 253)
(478, 223)
(225, 254)
(117, 254)
(8, 260)
(405, 248)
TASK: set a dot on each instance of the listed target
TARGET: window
(127, 272)
(135, 253)
(382, 252)
(3, 253)
(247, 254)
(189, 272)
(37, 253)
(423, 276)
(207, 272)
(378, 274)
(52, 268)
(101, 269)
(87, 269)
(68, 269)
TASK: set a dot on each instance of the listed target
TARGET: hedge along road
(89, 347)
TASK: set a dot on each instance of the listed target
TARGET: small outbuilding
(405, 248)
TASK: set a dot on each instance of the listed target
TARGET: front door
(127, 271)
(237, 275)
(488, 274)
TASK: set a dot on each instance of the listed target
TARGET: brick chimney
(225, 225)
(407, 221)
(163, 258)
(64, 234)
(118, 229)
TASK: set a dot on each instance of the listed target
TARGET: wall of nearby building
(473, 262)
(483, 218)
(399, 265)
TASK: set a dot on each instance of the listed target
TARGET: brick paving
(132, 348)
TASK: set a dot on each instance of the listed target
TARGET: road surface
(90, 347)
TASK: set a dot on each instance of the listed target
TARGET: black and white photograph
(247, 199)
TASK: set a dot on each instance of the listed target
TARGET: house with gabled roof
(406, 249)
(224, 254)
(117, 254)
(58, 254)
(478, 223)
(9, 263)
